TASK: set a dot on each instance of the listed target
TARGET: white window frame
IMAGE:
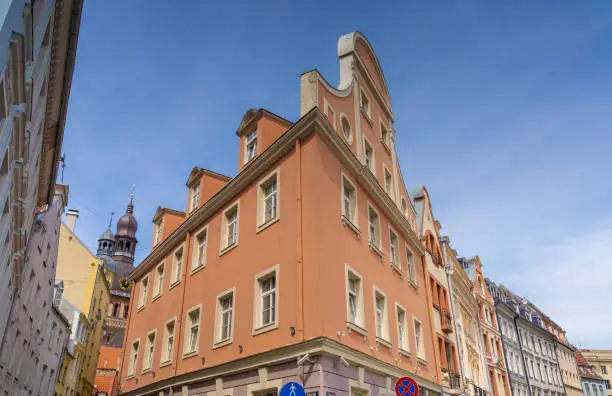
(377, 243)
(410, 265)
(258, 325)
(359, 322)
(225, 246)
(262, 223)
(403, 335)
(394, 250)
(177, 270)
(352, 218)
(390, 189)
(133, 363)
(195, 197)
(218, 341)
(149, 353)
(349, 139)
(158, 232)
(383, 335)
(159, 280)
(187, 351)
(165, 356)
(251, 137)
(419, 346)
(404, 204)
(367, 110)
(372, 166)
(143, 290)
(199, 262)
(384, 137)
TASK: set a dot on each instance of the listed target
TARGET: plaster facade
(593, 384)
(601, 361)
(277, 263)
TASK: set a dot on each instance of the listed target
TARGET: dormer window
(195, 197)
(251, 146)
(158, 232)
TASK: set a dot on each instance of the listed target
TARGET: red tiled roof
(584, 368)
(105, 383)
(109, 358)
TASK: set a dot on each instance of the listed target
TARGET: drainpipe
(300, 252)
(522, 356)
(449, 272)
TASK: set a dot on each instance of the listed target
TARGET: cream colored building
(87, 288)
(601, 360)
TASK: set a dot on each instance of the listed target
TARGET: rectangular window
(354, 287)
(195, 197)
(168, 342)
(384, 135)
(604, 370)
(349, 200)
(144, 285)
(159, 281)
(268, 199)
(418, 337)
(199, 259)
(374, 227)
(369, 155)
(388, 182)
(225, 317)
(230, 227)
(380, 306)
(402, 329)
(393, 250)
(410, 266)
(268, 300)
(133, 358)
(193, 331)
(177, 268)
(147, 361)
(250, 147)
(365, 104)
(158, 232)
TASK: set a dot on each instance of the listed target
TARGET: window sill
(144, 371)
(173, 285)
(351, 326)
(190, 354)
(197, 269)
(265, 329)
(227, 249)
(140, 308)
(405, 353)
(397, 269)
(222, 343)
(263, 226)
(130, 376)
(367, 117)
(377, 250)
(383, 342)
(156, 297)
(348, 223)
(385, 145)
(413, 284)
(166, 363)
(422, 360)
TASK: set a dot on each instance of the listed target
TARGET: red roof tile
(109, 358)
(584, 368)
(105, 383)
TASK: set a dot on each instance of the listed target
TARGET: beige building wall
(601, 360)
(569, 372)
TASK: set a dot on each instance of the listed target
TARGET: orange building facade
(307, 266)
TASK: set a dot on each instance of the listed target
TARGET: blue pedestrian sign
(292, 389)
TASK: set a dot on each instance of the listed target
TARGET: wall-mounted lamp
(292, 330)
(203, 359)
(240, 349)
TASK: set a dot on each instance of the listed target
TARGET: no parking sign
(406, 386)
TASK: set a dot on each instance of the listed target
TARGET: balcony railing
(447, 320)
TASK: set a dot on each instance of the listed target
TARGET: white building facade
(37, 51)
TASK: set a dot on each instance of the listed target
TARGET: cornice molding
(321, 346)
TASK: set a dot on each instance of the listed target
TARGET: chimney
(71, 217)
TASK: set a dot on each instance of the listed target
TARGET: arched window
(127, 246)
(120, 245)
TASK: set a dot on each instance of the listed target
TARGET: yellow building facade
(87, 287)
(601, 361)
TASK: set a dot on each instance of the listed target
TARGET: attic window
(251, 146)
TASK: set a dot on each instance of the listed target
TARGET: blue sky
(502, 110)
